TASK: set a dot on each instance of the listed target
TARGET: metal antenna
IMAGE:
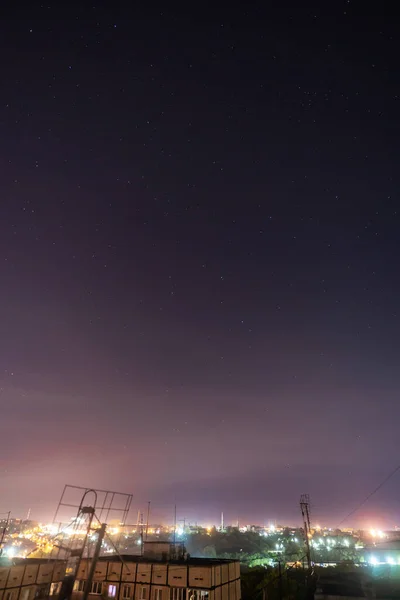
(73, 539)
(305, 511)
(147, 520)
(175, 524)
(100, 537)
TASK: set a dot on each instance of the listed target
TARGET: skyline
(360, 517)
(165, 520)
(199, 248)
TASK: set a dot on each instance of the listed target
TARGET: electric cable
(370, 495)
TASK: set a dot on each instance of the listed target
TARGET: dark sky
(199, 256)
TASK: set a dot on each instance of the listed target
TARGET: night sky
(199, 257)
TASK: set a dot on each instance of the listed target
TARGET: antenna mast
(305, 512)
(148, 517)
(175, 524)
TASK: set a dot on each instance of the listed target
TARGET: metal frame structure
(109, 504)
(86, 520)
(305, 511)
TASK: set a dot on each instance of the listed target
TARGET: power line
(370, 495)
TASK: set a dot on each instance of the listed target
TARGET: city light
(377, 533)
(328, 545)
(52, 528)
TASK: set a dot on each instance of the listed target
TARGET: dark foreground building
(344, 586)
(160, 574)
(30, 578)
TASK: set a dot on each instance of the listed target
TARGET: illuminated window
(9, 596)
(177, 593)
(97, 587)
(197, 595)
(79, 585)
(143, 593)
(42, 591)
(158, 595)
(126, 592)
(112, 591)
(55, 589)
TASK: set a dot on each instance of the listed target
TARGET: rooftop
(11, 562)
(194, 561)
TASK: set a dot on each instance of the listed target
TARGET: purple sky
(199, 249)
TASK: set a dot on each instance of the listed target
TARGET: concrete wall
(24, 581)
(29, 579)
(222, 581)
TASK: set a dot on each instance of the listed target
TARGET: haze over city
(199, 248)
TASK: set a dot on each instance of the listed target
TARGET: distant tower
(222, 521)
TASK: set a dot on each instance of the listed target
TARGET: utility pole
(280, 580)
(148, 517)
(100, 538)
(305, 511)
(140, 517)
(175, 524)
